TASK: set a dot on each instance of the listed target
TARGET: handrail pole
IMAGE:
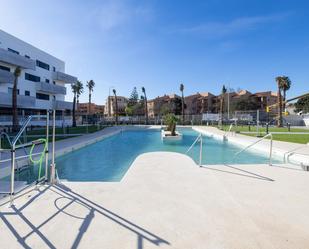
(195, 141)
(270, 149)
(250, 145)
(12, 174)
(201, 150)
(46, 152)
(21, 130)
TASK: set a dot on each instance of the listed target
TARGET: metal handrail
(228, 131)
(199, 138)
(250, 145)
(21, 131)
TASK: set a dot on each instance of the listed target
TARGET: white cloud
(115, 14)
(219, 29)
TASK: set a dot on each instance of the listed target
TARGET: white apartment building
(41, 85)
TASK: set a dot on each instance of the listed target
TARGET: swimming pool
(109, 159)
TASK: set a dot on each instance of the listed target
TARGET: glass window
(5, 68)
(27, 93)
(54, 69)
(13, 51)
(42, 96)
(32, 77)
(47, 80)
(27, 56)
(42, 65)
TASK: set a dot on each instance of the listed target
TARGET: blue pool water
(109, 159)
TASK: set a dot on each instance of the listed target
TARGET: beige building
(110, 105)
(199, 103)
(167, 103)
(83, 108)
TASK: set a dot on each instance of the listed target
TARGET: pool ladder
(198, 139)
(254, 143)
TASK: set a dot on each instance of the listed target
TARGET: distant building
(160, 105)
(265, 99)
(42, 83)
(83, 108)
(110, 106)
(199, 103)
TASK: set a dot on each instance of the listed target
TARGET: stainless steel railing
(254, 143)
(198, 139)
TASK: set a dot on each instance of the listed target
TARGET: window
(54, 82)
(27, 93)
(54, 69)
(10, 91)
(42, 65)
(27, 56)
(5, 68)
(47, 80)
(13, 51)
(42, 96)
(32, 77)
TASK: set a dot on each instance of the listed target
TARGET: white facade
(41, 84)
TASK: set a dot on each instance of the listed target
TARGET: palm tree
(222, 104)
(145, 103)
(77, 89)
(116, 107)
(286, 85)
(80, 90)
(17, 73)
(90, 86)
(182, 104)
(280, 84)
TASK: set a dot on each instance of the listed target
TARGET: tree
(182, 104)
(133, 99)
(90, 85)
(246, 105)
(77, 89)
(145, 104)
(223, 92)
(116, 107)
(17, 73)
(302, 105)
(171, 120)
(80, 90)
(286, 85)
(280, 84)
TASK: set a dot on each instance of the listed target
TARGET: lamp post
(109, 100)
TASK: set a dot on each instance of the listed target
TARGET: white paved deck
(166, 201)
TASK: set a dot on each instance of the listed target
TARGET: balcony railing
(50, 88)
(63, 105)
(6, 77)
(63, 77)
(16, 59)
(22, 101)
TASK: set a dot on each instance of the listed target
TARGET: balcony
(22, 101)
(63, 105)
(50, 88)
(16, 59)
(63, 77)
(6, 77)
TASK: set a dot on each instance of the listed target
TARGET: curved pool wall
(109, 159)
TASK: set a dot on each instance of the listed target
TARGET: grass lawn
(59, 131)
(293, 138)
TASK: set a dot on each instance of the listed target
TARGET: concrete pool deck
(166, 201)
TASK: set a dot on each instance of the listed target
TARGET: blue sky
(160, 44)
